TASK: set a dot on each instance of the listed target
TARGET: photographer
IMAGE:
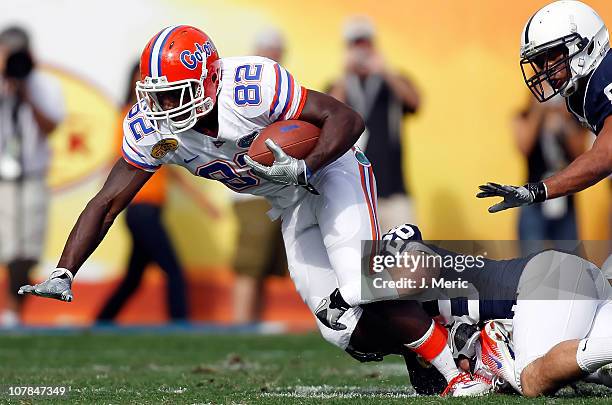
(31, 107)
(383, 97)
(549, 139)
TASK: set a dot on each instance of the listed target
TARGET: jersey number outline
(223, 171)
(138, 126)
(608, 92)
(247, 91)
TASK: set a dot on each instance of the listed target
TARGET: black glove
(514, 196)
(364, 357)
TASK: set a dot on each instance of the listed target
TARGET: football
(297, 138)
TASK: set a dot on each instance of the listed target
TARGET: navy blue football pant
(151, 244)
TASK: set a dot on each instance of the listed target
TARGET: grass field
(228, 369)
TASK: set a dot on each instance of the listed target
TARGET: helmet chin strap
(569, 88)
(176, 128)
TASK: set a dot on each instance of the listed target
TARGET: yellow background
(462, 55)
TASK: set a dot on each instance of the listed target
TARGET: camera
(19, 65)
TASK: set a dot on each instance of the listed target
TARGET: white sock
(444, 361)
(593, 353)
(445, 364)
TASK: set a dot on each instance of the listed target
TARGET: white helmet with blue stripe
(571, 33)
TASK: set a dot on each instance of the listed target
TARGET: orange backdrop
(463, 56)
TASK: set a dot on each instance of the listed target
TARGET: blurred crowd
(32, 105)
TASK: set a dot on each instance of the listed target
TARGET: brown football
(297, 138)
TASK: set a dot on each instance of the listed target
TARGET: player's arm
(340, 127)
(122, 184)
(589, 168)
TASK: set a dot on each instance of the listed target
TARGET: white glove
(285, 169)
(56, 286)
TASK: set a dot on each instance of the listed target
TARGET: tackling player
(202, 112)
(559, 308)
(566, 44)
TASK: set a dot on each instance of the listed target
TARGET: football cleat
(496, 353)
(468, 385)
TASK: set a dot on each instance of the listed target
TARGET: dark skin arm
(589, 168)
(340, 127)
(120, 187)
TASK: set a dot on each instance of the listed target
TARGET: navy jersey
(471, 310)
(591, 104)
(494, 294)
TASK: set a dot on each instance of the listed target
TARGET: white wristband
(58, 272)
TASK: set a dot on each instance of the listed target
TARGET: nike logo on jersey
(191, 159)
(247, 140)
(585, 344)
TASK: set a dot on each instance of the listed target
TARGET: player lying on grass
(202, 112)
(558, 306)
(489, 351)
(566, 45)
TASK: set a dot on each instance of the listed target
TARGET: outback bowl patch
(164, 146)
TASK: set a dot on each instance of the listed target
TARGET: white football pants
(560, 297)
(323, 237)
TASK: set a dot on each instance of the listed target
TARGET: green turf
(200, 369)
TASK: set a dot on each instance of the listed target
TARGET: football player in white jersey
(202, 112)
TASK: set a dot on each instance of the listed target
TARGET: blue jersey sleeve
(598, 97)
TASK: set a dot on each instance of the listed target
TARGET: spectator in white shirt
(31, 107)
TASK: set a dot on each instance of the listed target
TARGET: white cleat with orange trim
(497, 354)
(468, 385)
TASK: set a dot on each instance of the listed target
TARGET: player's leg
(386, 327)
(346, 214)
(374, 329)
(602, 329)
(310, 269)
(407, 325)
(553, 370)
(559, 295)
